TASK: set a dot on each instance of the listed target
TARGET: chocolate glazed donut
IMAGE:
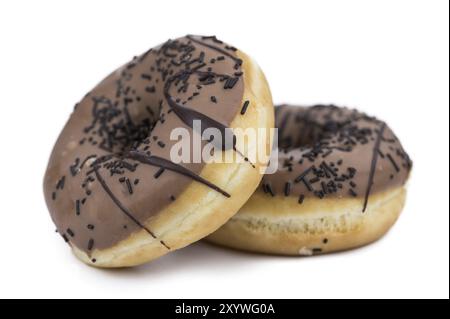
(339, 184)
(112, 189)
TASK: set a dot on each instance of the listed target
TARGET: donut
(111, 186)
(339, 184)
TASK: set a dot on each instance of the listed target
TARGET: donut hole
(308, 133)
(313, 130)
(113, 128)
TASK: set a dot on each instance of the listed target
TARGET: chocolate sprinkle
(287, 189)
(90, 244)
(129, 187)
(77, 207)
(244, 107)
(159, 173)
(70, 232)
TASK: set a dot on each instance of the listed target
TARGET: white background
(389, 58)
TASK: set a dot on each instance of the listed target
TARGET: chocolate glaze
(110, 170)
(328, 151)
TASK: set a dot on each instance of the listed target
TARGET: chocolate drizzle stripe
(243, 156)
(283, 124)
(394, 164)
(187, 116)
(166, 164)
(122, 207)
(373, 166)
(87, 159)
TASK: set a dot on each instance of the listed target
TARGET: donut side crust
(280, 226)
(200, 210)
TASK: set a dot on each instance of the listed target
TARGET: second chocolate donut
(340, 184)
